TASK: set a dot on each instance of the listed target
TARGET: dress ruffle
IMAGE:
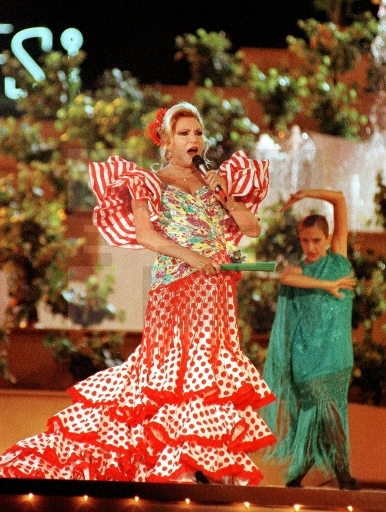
(184, 401)
(117, 181)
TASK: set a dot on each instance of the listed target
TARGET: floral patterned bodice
(195, 221)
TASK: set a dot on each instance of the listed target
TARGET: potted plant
(369, 373)
(34, 249)
(93, 351)
(87, 307)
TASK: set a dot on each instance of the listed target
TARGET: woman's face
(314, 243)
(187, 141)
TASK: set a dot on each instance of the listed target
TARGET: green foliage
(43, 99)
(23, 140)
(34, 205)
(100, 119)
(280, 95)
(333, 107)
(52, 182)
(380, 200)
(337, 48)
(327, 52)
(370, 291)
(369, 372)
(33, 247)
(209, 58)
(109, 120)
(90, 304)
(278, 241)
(228, 127)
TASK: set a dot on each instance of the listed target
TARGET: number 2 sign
(71, 40)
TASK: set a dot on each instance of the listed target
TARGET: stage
(30, 495)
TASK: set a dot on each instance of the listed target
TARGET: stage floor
(22, 495)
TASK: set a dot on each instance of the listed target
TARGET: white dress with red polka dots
(186, 399)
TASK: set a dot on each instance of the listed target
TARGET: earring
(169, 155)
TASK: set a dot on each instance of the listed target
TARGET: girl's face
(187, 141)
(314, 243)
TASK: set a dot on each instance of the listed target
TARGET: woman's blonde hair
(166, 130)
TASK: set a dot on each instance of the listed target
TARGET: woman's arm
(293, 276)
(246, 220)
(149, 238)
(337, 199)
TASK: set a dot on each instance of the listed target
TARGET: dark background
(139, 35)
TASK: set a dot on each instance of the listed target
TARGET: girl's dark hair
(310, 221)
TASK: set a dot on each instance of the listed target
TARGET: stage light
(246, 504)
(297, 507)
(187, 501)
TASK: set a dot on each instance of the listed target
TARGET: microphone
(201, 165)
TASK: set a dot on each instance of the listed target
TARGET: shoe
(346, 481)
(296, 482)
(349, 484)
(201, 478)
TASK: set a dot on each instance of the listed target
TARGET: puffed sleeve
(115, 183)
(247, 181)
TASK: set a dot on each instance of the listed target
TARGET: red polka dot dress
(186, 399)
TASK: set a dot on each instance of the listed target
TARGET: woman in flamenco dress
(182, 407)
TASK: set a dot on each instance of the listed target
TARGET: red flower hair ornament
(154, 126)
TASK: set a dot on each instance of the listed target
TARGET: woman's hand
(214, 180)
(203, 264)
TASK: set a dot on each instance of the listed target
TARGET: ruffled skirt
(184, 401)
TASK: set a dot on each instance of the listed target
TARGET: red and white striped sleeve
(114, 183)
(247, 181)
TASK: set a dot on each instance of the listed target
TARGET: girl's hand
(346, 283)
(300, 194)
